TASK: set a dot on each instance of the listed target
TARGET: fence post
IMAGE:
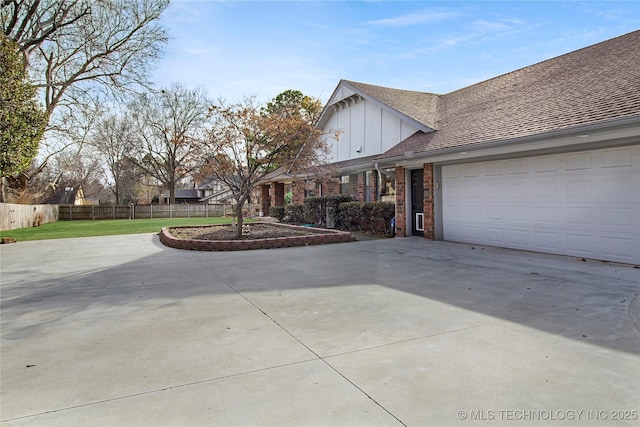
(206, 210)
(93, 213)
(170, 211)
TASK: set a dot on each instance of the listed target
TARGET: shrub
(278, 212)
(324, 210)
(370, 217)
(296, 214)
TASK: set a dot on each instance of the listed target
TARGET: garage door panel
(585, 204)
(579, 188)
(618, 246)
(617, 217)
(616, 157)
(548, 240)
(548, 214)
(581, 244)
(578, 161)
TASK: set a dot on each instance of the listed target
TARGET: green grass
(66, 229)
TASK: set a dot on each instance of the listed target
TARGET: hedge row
(339, 212)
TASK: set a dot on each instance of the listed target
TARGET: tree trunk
(2, 190)
(240, 220)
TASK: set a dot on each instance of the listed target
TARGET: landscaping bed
(256, 236)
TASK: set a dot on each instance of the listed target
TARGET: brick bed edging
(322, 236)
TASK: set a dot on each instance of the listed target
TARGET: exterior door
(417, 202)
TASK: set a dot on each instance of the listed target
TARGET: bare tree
(78, 168)
(114, 141)
(82, 52)
(72, 48)
(30, 23)
(170, 127)
(248, 141)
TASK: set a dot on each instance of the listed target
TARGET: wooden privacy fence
(14, 216)
(72, 212)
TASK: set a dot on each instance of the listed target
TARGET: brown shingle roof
(590, 85)
(420, 106)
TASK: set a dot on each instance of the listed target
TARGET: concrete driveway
(121, 331)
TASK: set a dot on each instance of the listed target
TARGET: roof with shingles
(420, 106)
(591, 85)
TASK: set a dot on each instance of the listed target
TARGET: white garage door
(584, 204)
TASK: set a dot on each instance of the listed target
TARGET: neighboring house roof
(589, 86)
(184, 194)
(66, 196)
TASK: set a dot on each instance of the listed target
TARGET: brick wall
(297, 192)
(429, 218)
(362, 187)
(277, 189)
(401, 225)
(265, 199)
(353, 184)
(331, 187)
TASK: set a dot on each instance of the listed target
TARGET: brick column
(278, 194)
(297, 192)
(362, 187)
(353, 185)
(401, 225)
(429, 214)
(374, 186)
(265, 199)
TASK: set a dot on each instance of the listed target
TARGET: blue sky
(261, 48)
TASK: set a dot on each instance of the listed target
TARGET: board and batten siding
(365, 129)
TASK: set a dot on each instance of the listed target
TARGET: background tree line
(78, 109)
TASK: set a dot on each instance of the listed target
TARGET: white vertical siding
(368, 125)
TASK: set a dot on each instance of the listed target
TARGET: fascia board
(600, 135)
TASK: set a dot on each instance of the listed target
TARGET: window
(344, 184)
(388, 188)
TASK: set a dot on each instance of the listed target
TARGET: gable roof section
(587, 86)
(64, 196)
(418, 108)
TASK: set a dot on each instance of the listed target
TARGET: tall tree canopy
(247, 141)
(80, 53)
(170, 126)
(21, 117)
(114, 140)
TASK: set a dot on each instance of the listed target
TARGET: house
(213, 191)
(67, 196)
(545, 158)
(182, 196)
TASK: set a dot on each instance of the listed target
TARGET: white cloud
(486, 26)
(424, 17)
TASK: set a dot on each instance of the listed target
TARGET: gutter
(557, 133)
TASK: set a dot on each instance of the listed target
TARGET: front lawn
(65, 229)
